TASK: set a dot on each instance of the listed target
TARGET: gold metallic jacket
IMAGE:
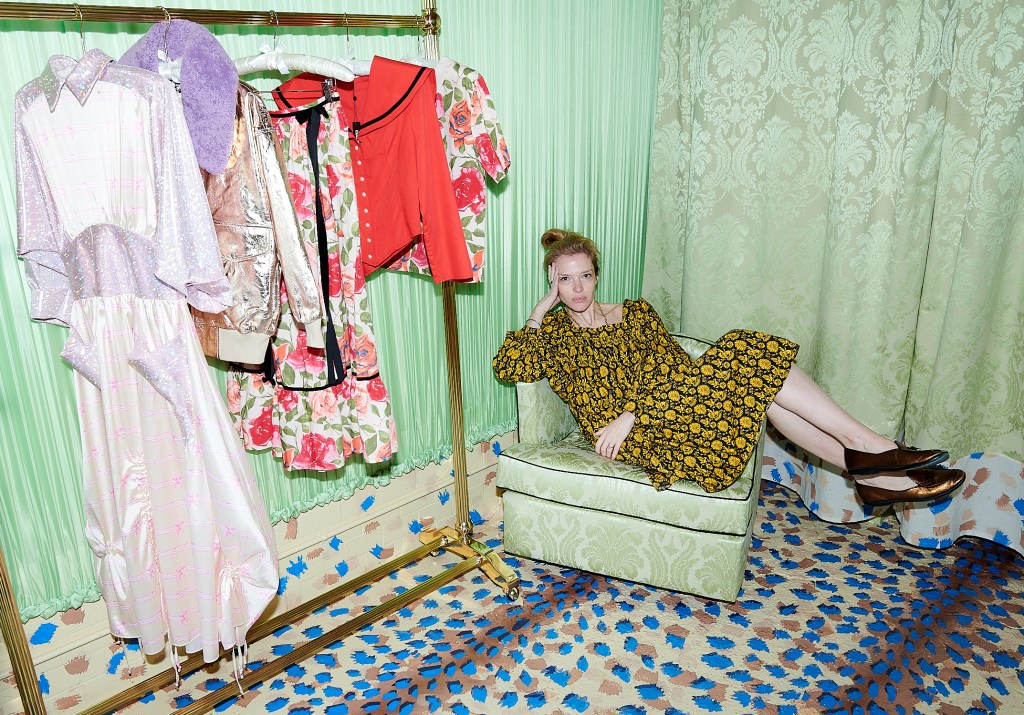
(259, 240)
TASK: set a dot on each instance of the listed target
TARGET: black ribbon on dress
(335, 364)
(312, 119)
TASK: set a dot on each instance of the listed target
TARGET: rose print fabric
(475, 147)
(401, 169)
(320, 406)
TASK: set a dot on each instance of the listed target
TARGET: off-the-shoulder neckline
(625, 309)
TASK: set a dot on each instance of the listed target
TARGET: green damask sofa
(566, 505)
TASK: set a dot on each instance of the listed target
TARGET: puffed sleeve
(439, 214)
(188, 257)
(303, 294)
(522, 357)
(660, 350)
(488, 137)
(39, 233)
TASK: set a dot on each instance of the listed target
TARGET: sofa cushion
(569, 472)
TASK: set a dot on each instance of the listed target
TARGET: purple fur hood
(209, 84)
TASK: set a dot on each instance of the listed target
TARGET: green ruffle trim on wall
(84, 593)
(380, 475)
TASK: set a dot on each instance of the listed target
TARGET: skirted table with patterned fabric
(566, 505)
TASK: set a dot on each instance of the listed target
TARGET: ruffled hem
(79, 595)
(353, 482)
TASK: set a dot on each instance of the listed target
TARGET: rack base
(462, 545)
(474, 554)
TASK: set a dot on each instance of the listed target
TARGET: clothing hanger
(360, 67)
(421, 61)
(420, 58)
(80, 16)
(167, 68)
(285, 63)
(350, 52)
(167, 19)
(275, 59)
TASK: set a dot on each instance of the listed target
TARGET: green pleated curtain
(574, 85)
(850, 175)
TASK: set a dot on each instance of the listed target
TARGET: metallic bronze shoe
(932, 484)
(902, 458)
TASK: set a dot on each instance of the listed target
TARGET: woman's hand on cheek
(550, 299)
(612, 435)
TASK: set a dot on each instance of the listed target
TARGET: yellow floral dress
(695, 419)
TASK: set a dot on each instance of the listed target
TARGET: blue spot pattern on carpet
(43, 634)
(297, 567)
(831, 619)
(115, 661)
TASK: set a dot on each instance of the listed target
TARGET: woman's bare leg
(801, 432)
(803, 397)
(808, 417)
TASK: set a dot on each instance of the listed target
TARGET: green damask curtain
(563, 106)
(850, 175)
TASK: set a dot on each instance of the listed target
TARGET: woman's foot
(901, 481)
(894, 481)
(898, 458)
(929, 485)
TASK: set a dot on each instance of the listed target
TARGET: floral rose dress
(315, 408)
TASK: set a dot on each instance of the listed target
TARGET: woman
(638, 397)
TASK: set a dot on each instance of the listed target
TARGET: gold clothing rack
(455, 539)
(428, 21)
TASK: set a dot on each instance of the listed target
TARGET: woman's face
(576, 280)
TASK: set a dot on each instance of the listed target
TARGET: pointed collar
(79, 77)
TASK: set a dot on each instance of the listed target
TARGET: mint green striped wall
(574, 84)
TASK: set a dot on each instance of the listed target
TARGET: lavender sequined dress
(116, 234)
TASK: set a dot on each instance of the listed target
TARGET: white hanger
(278, 60)
(360, 67)
(275, 58)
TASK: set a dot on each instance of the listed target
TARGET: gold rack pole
(105, 13)
(17, 646)
(451, 334)
(455, 540)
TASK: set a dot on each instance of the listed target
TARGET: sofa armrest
(694, 347)
(543, 417)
